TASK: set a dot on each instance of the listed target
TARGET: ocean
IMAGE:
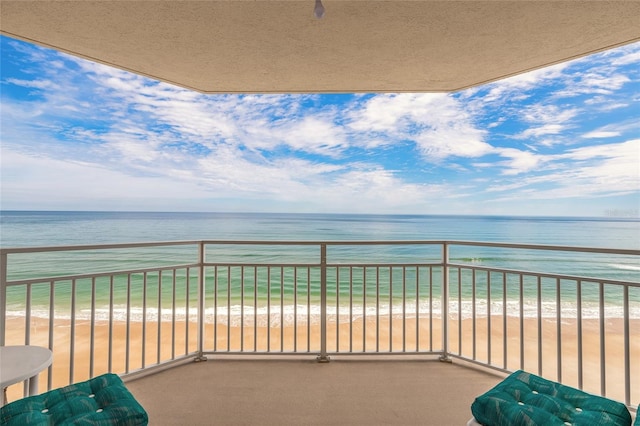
(42, 228)
(35, 229)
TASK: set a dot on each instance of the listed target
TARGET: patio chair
(101, 401)
(526, 399)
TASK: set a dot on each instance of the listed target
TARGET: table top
(18, 363)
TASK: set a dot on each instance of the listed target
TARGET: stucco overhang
(359, 46)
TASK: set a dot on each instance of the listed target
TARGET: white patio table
(20, 363)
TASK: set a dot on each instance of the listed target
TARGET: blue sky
(563, 140)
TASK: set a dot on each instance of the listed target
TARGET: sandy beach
(146, 349)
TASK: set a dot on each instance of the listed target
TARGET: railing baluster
(187, 312)
(144, 319)
(364, 309)
(281, 309)
(159, 319)
(52, 304)
(268, 308)
(4, 258)
(229, 309)
(72, 338)
(504, 321)
(111, 298)
(473, 312)
(173, 313)
(351, 309)
(128, 325)
(521, 307)
(559, 330)
(445, 303)
(255, 308)
(27, 334)
(337, 309)
(489, 317)
(603, 380)
(215, 308)
(431, 309)
(459, 311)
(378, 309)
(27, 316)
(539, 326)
(627, 356)
(323, 304)
(242, 309)
(93, 327)
(579, 331)
(417, 309)
(308, 309)
(295, 309)
(404, 309)
(391, 309)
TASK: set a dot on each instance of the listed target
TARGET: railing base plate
(323, 358)
(445, 358)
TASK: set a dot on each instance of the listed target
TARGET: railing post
(445, 303)
(201, 295)
(323, 304)
(3, 297)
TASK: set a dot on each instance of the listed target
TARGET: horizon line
(613, 214)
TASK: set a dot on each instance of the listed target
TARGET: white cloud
(519, 161)
(312, 134)
(454, 140)
(623, 127)
(586, 172)
(516, 87)
(438, 124)
(36, 84)
(31, 182)
(545, 113)
(548, 119)
(600, 135)
(373, 189)
(546, 129)
(632, 57)
(595, 83)
(605, 103)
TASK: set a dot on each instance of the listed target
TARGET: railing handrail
(200, 244)
(526, 246)
(38, 280)
(544, 274)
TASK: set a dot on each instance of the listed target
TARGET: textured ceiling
(359, 46)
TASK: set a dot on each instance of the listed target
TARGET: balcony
(319, 332)
(353, 391)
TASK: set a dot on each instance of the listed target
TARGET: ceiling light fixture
(318, 11)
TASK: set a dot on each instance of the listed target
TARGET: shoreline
(385, 335)
(548, 310)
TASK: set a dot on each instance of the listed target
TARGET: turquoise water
(19, 229)
(67, 228)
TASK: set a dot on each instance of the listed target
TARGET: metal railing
(566, 313)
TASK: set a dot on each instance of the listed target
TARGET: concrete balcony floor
(301, 391)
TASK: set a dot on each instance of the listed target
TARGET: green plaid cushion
(103, 400)
(528, 400)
